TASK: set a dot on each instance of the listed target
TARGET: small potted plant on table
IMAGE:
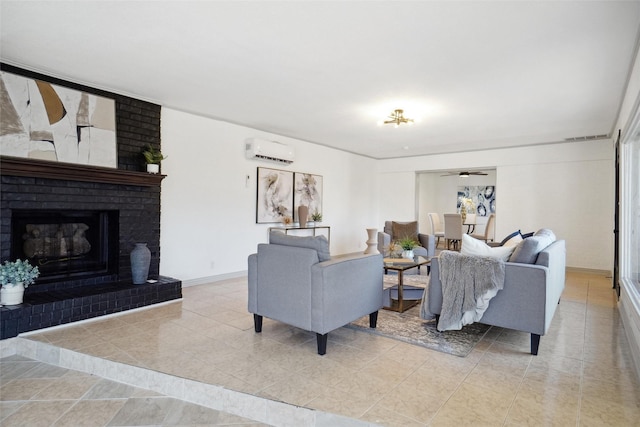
(153, 157)
(15, 277)
(316, 217)
(407, 244)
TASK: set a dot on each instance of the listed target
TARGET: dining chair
(470, 222)
(489, 230)
(452, 230)
(436, 227)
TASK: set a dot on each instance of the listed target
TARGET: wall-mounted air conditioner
(274, 151)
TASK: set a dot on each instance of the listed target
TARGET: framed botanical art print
(275, 195)
(308, 192)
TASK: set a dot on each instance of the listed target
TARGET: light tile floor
(38, 394)
(582, 376)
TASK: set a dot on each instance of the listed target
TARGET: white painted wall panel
(567, 187)
(208, 207)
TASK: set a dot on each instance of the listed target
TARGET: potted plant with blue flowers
(15, 277)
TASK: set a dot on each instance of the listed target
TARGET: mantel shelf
(15, 166)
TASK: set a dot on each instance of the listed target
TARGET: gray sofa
(531, 292)
(295, 281)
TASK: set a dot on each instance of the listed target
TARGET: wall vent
(587, 138)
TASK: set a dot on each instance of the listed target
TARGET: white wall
(567, 187)
(574, 199)
(208, 206)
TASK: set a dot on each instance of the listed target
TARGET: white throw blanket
(468, 284)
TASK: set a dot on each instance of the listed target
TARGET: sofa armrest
(345, 288)
(524, 303)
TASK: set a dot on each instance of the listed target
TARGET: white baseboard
(629, 307)
(212, 279)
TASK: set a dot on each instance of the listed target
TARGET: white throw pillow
(475, 247)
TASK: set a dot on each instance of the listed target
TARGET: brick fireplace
(80, 224)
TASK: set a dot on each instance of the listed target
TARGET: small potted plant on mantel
(15, 277)
(153, 157)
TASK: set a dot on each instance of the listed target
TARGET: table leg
(400, 296)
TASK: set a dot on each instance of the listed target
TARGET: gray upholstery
(528, 249)
(319, 243)
(530, 296)
(427, 242)
(288, 283)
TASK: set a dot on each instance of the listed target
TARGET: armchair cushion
(318, 243)
(475, 247)
(402, 230)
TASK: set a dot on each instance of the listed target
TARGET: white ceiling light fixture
(397, 118)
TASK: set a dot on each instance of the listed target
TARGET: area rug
(410, 328)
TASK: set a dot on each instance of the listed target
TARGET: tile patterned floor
(582, 376)
(38, 394)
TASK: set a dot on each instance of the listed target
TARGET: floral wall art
(483, 198)
(280, 193)
(275, 195)
(308, 192)
(44, 121)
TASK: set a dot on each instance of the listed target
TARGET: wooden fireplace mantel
(16, 166)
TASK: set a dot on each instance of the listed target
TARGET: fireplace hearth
(80, 234)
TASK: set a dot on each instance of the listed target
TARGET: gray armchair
(294, 280)
(427, 242)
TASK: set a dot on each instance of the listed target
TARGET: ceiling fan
(464, 174)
